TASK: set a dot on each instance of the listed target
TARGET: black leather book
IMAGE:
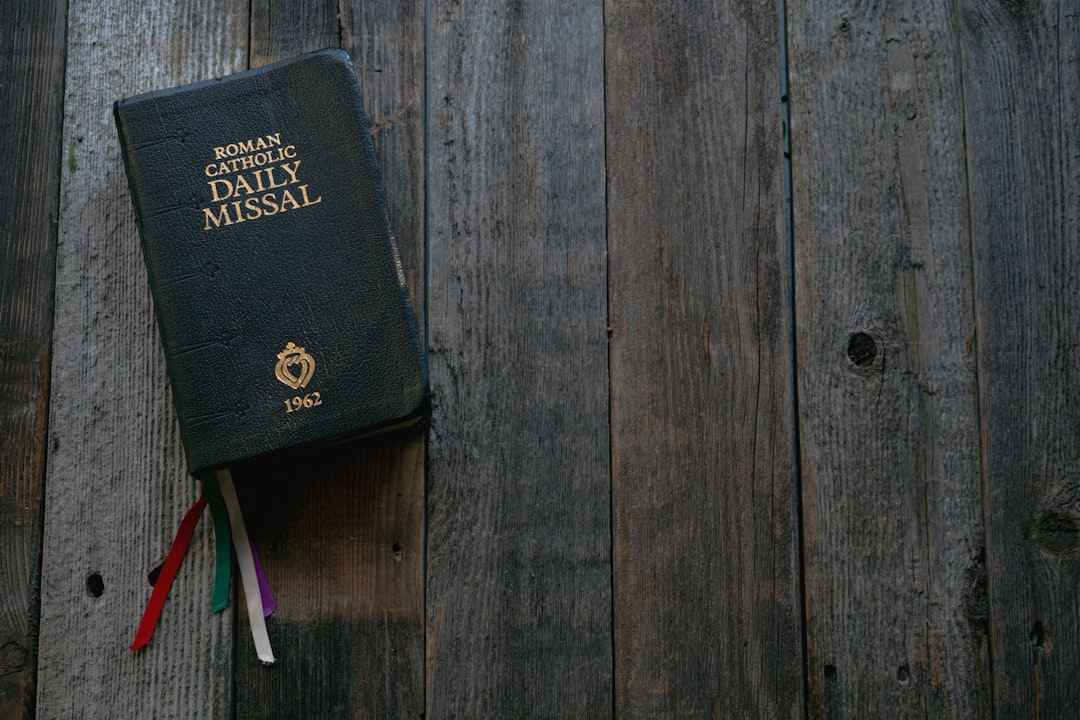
(278, 288)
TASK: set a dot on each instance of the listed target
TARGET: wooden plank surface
(518, 579)
(895, 587)
(599, 176)
(31, 93)
(117, 484)
(707, 605)
(1022, 105)
(342, 533)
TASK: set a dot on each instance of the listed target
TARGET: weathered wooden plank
(282, 28)
(117, 484)
(386, 42)
(31, 93)
(707, 607)
(1022, 108)
(895, 590)
(518, 598)
(342, 533)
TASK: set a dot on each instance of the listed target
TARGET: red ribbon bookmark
(168, 572)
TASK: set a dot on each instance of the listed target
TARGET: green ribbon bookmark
(222, 542)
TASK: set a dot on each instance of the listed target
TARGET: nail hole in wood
(830, 672)
(903, 674)
(861, 349)
(152, 576)
(1040, 636)
(95, 586)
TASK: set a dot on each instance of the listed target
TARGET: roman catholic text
(254, 179)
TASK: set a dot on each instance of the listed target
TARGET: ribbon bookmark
(248, 574)
(268, 601)
(222, 542)
(168, 572)
(229, 530)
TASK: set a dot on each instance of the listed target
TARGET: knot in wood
(862, 349)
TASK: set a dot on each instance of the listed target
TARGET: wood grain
(117, 484)
(1022, 105)
(283, 28)
(707, 607)
(342, 533)
(591, 164)
(31, 93)
(518, 581)
(386, 42)
(895, 585)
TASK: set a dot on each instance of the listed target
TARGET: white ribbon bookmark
(247, 569)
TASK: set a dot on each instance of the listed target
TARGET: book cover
(278, 289)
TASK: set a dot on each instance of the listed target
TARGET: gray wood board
(707, 601)
(342, 533)
(340, 536)
(937, 213)
(895, 587)
(1022, 108)
(31, 93)
(116, 482)
(518, 573)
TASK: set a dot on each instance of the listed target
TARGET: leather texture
(291, 245)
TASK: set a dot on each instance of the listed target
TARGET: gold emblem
(287, 358)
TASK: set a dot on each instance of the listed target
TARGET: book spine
(148, 234)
